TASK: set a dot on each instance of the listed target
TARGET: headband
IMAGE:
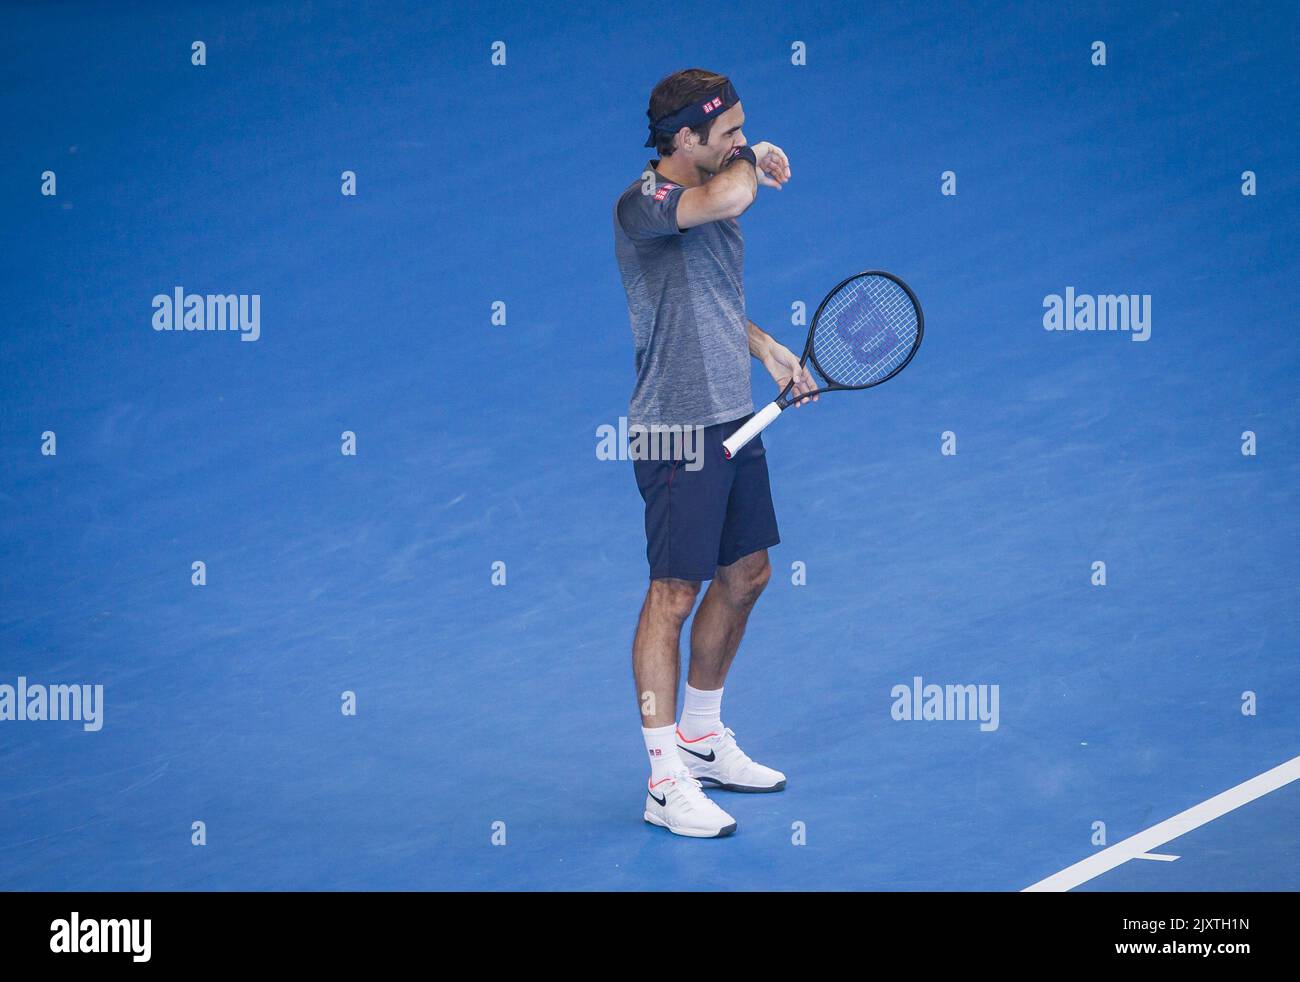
(695, 114)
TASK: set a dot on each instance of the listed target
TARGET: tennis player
(681, 254)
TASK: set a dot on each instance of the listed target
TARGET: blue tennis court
(405, 663)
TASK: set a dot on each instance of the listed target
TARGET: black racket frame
(808, 353)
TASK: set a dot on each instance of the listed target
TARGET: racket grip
(756, 425)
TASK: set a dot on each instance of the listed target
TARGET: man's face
(725, 136)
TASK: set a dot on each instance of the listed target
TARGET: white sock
(701, 713)
(661, 742)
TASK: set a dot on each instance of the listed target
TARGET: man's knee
(746, 578)
(673, 598)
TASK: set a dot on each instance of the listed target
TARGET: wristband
(744, 152)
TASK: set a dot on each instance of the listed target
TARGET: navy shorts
(698, 518)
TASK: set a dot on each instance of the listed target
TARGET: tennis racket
(864, 333)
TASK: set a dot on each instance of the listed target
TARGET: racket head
(866, 331)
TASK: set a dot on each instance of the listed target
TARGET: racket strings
(865, 332)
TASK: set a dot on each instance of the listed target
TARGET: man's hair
(677, 90)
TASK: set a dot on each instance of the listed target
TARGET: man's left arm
(781, 363)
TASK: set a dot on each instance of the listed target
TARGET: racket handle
(756, 425)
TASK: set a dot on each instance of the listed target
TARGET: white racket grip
(756, 425)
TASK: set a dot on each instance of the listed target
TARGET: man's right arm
(727, 194)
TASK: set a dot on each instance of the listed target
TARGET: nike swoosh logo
(709, 758)
(662, 801)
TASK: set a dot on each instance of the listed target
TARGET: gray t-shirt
(686, 301)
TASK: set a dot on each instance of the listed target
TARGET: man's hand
(773, 169)
(783, 365)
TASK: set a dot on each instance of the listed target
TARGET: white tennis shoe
(677, 804)
(715, 760)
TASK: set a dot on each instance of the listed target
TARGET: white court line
(1170, 828)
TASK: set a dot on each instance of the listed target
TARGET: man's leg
(709, 747)
(656, 658)
(686, 510)
(673, 800)
(720, 622)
